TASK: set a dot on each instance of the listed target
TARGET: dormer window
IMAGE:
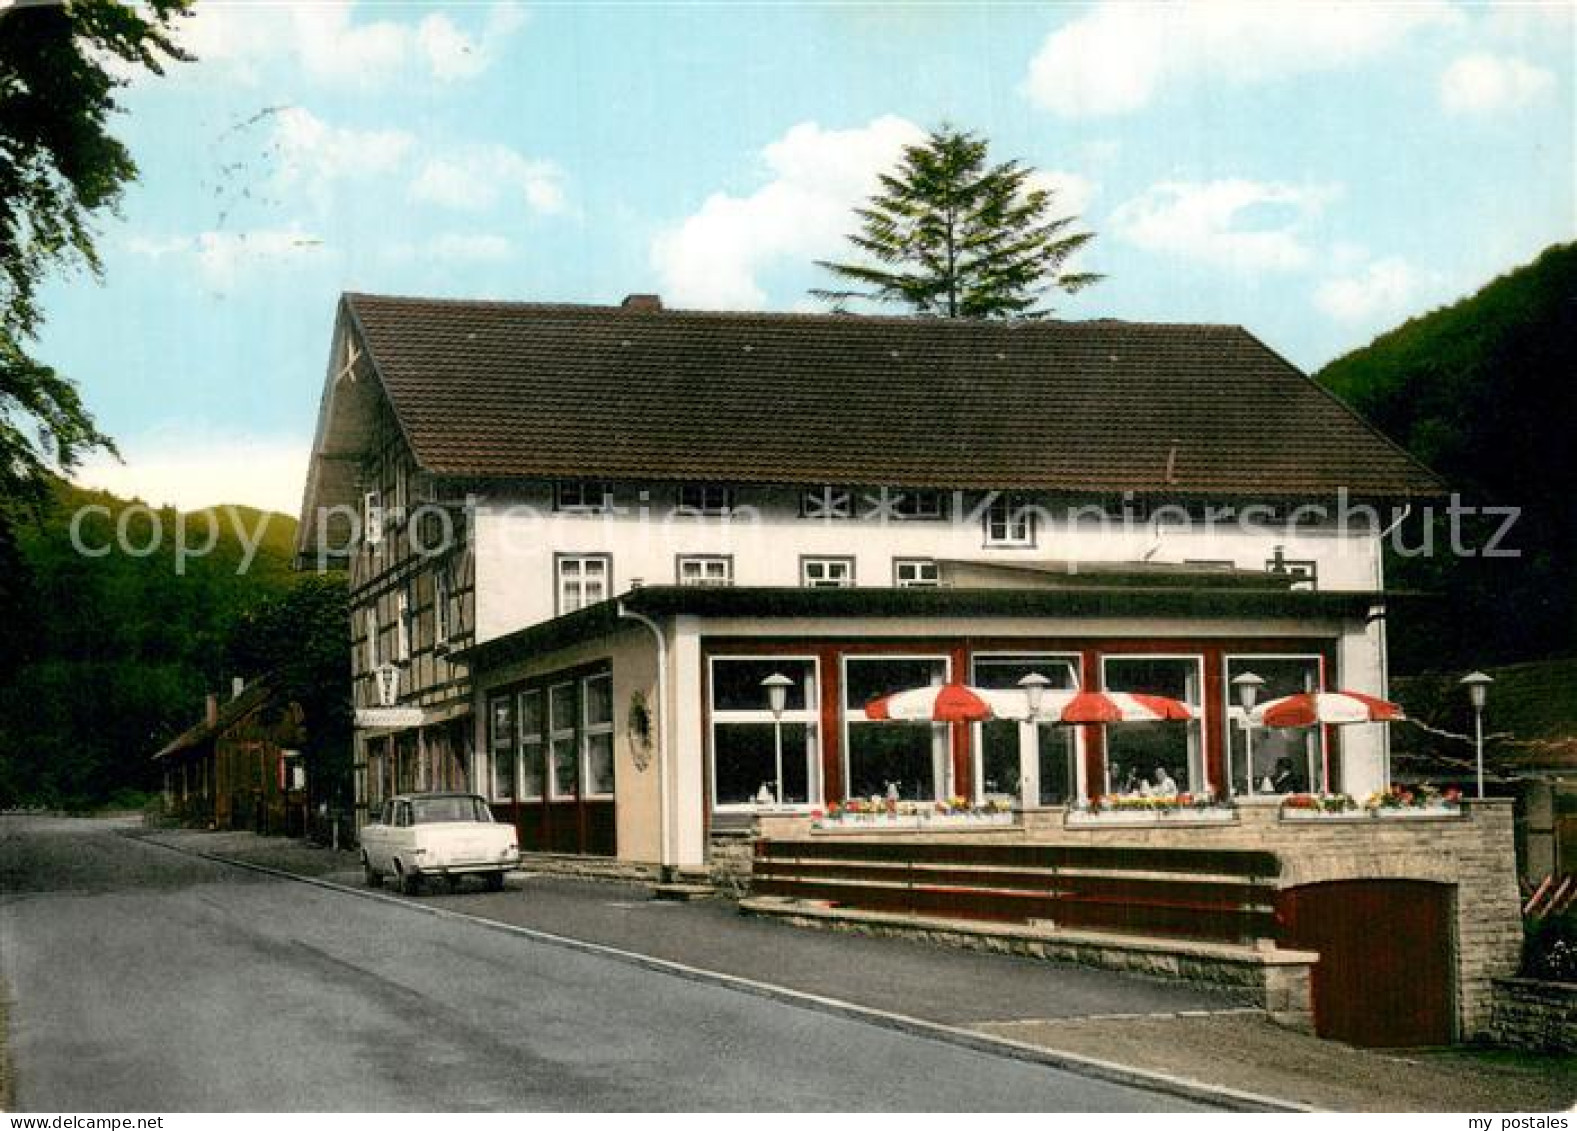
(582, 495)
(705, 498)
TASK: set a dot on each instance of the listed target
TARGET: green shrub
(1550, 948)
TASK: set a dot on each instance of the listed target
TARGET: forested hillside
(1485, 392)
(108, 649)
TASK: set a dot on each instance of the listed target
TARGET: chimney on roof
(237, 685)
(211, 709)
(642, 302)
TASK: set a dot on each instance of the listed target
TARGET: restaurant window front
(1162, 757)
(1273, 760)
(748, 765)
(1032, 764)
(911, 759)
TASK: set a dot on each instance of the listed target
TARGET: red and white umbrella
(942, 703)
(1111, 707)
(961, 703)
(1325, 708)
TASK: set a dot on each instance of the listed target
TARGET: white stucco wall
(516, 538)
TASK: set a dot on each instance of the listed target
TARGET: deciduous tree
(60, 168)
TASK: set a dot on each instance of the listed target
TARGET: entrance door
(1384, 979)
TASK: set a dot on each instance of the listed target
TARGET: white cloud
(1483, 84)
(476, 177)
(713, 257)
(195, 466)
(1238, 224)
(312, 152)
(326, 40)
(1115, 58)
(1380, 291)
(222, 258)
(1071, 194)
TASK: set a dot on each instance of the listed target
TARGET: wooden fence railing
(1214, 894)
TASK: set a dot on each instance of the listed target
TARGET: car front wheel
(494, 881)
(410, 882)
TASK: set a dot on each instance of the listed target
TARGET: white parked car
(418, 835)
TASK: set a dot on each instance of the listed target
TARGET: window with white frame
(1009, 521)
(582, 495)
(583, 579)
(596, 736)
(1015, 761)
(371, 519)
(370, 623)
(533, 773)
(915, 573)
(826, 503)
(705, 569)
(1272, 760)
(443, 593)
(705, 498)
(912, 759)
(826, 573)
(755, 755)
(1157, 758)
(563, 748)
(501, 744)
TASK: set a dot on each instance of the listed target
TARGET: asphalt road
(146, 980)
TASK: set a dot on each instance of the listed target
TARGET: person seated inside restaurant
(1162, 785)
(1285, 778)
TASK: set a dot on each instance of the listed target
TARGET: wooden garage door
(1384, 979)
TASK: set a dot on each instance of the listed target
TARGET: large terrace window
(912, 758)
(1016, 761)
(745, 752)
(1160, 757)
(1284, 760)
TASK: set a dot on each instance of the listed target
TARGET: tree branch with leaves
(59, 169)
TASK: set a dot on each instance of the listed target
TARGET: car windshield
(437, 810)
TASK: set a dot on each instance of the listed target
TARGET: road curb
(1230, 1099)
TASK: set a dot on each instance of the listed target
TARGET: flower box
(1392, 804)
(845, 822)
(1167, 815)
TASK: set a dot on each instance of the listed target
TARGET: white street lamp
(777, 685)
(1477, 684)
(1248, 686)
(1034, 685)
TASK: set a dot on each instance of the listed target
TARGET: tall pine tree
(949, 235)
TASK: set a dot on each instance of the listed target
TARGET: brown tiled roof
(534, 390)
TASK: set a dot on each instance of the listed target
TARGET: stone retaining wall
(589, 867)
(1472, 850)
(1267, 978)
(1536, 1015)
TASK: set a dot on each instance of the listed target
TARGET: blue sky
(1316, 172)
